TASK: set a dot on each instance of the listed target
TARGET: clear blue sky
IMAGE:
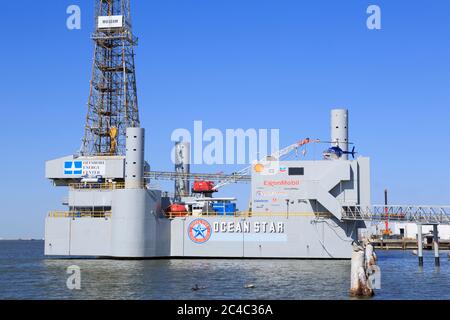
(234, 63)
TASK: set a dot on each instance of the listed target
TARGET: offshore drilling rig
(300, 209)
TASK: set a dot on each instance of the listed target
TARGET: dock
(406, 244)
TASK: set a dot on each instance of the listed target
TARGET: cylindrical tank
(339, 130)
(130, 226)
(183, 166)
(134, 161)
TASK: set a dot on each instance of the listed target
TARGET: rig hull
(149, 236)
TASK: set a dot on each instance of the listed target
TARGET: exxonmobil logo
(284, 183)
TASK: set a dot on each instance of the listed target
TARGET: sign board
(94, 168)
(86, 168)
(201, 231)
(107, 22)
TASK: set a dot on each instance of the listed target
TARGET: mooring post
(420, 244)
(360, 286)
(436, 245)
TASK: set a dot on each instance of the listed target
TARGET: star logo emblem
(199, 231)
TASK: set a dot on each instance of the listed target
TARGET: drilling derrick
(113, 104)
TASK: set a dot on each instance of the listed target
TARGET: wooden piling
(362, 258)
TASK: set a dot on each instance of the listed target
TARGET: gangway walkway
(425, 215)
(420, 215)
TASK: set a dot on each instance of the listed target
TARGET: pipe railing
(240, 214)
(80, 214)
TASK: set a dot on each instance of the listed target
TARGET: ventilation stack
(339, 130)
(182, 166)
(134, 165)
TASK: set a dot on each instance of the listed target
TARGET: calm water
(25, 274)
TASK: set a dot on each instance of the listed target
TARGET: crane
(284, 152)
(203, 182)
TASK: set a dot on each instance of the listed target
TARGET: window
(296, 171)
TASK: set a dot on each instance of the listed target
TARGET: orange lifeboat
(177, 210)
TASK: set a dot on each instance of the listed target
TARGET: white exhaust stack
(339, 130)
(134, 161)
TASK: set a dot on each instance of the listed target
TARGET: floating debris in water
(197, 288)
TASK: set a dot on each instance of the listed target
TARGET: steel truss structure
(426, 215)
(113, 104)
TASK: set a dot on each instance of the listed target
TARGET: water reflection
(221, 279)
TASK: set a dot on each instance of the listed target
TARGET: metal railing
(101, 186)
(80, 214)
(244, 215)
(415, 214)
(170, 176)
(408, 214)
(97, 186)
